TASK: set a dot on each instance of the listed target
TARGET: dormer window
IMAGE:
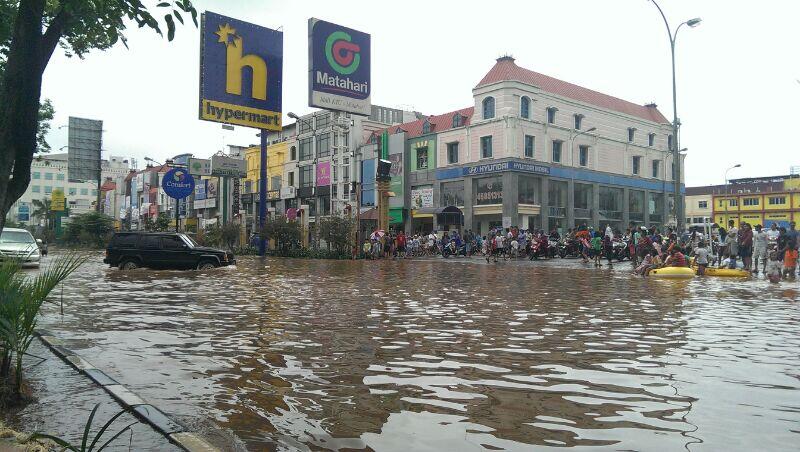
(457, 120)
(426, 127)
(488, 108)
(578, 121)
(525, 107)
(551, 115)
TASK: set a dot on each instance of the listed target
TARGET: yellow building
(762, 208)
(276, 158)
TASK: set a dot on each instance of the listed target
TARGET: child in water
(597, 250)
(774, 268)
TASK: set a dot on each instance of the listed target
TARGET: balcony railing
(611, 214)
(559, 212)
(583, 213)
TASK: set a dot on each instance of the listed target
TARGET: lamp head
(738, 165)
(292, 115)
(694, 22)
(592, 129)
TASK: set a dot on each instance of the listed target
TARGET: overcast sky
(738, 72)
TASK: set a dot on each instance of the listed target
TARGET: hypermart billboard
(338, 68)
(241, 70)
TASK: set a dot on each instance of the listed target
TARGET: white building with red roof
(537, 152)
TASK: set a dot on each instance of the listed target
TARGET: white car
(19, 244)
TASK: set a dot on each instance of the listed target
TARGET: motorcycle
(621, 250)
(453, 250)
(571, 248)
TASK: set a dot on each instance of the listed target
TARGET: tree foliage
(30, 30)
(89, 229)
(46, 114)
(159, 223)
(284, 232)
(338, 233)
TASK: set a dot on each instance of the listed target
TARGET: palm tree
(41, 209)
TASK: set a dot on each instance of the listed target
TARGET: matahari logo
(236, 62)
(179, 176)
(342, 54)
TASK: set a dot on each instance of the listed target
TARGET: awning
(371, 214)
(420, 214)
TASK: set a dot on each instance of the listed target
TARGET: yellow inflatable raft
(672, 273)
(727, 272)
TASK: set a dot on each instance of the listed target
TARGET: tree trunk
(19, 100)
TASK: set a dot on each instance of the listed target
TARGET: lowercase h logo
(236, 62)
(342, 54)
(241, 65)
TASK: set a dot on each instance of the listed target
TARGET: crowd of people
(774, 250)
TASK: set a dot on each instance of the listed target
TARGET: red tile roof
(439, 123)
(505, 69)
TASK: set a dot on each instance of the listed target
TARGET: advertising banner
(139, 182)
(211, 188)
(24, 212)
(490, 191)
(338, 68)
(57, 200)
(396, 174)
(200, 190)
(323, 174)
(226, 166)
(241, 70)
(421, 197)
(199, 167)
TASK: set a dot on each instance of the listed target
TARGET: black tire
(129, 264)
(206, 265)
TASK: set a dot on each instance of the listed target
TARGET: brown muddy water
(448, 355)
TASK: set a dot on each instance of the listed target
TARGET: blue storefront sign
(339, 68)
(490, 168)
(178, 183)
(241, 70)
(24, 212)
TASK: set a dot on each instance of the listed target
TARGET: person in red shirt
(676, 258)
(401, 245)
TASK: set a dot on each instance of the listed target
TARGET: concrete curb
(128, 399)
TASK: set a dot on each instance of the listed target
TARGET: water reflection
(449, 355)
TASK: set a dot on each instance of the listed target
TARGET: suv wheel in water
(129, 264)
(206, 265)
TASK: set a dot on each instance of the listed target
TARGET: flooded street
(448, 355)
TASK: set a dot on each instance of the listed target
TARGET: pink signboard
(323, 173)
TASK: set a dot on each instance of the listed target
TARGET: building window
(73, 191)
(306, 149)
(307, 176)
(305, 125)
(551, 115)
(36, 175)
(488, 108)
(631, 134)
(422, 158)
(48, 176)
(426, 127)
(672, 168)
(276, 182)
(777, 200)
(291, 178)
(452, 153)
(527, 188)
(525, 107)
(669, 142)
(48, 189)
(489, 191)
(323, 121)
(94, 193)
(457, 120)
(293, 153)
(324, 145)
(751, 201)
(583, 155)
(84, 192)
(733, 202)
(557, 150)
(655, 169)
(651, 139)
(35, 188)
(702, 204)
(486, 147)
(637, 161)
(335, 169)
(578, 120)
(530, 145)
(451, 194)
(60, 176)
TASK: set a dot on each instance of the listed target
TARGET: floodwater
(448, 355)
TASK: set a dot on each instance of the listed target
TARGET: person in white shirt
(514, 248)
(760, 241)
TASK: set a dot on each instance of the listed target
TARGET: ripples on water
(450, 355)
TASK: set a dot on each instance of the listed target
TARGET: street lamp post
(676, 157)
(738, 165)
(572, 142)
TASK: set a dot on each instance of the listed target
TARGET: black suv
(162, 250)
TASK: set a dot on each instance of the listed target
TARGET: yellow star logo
(224, 33)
